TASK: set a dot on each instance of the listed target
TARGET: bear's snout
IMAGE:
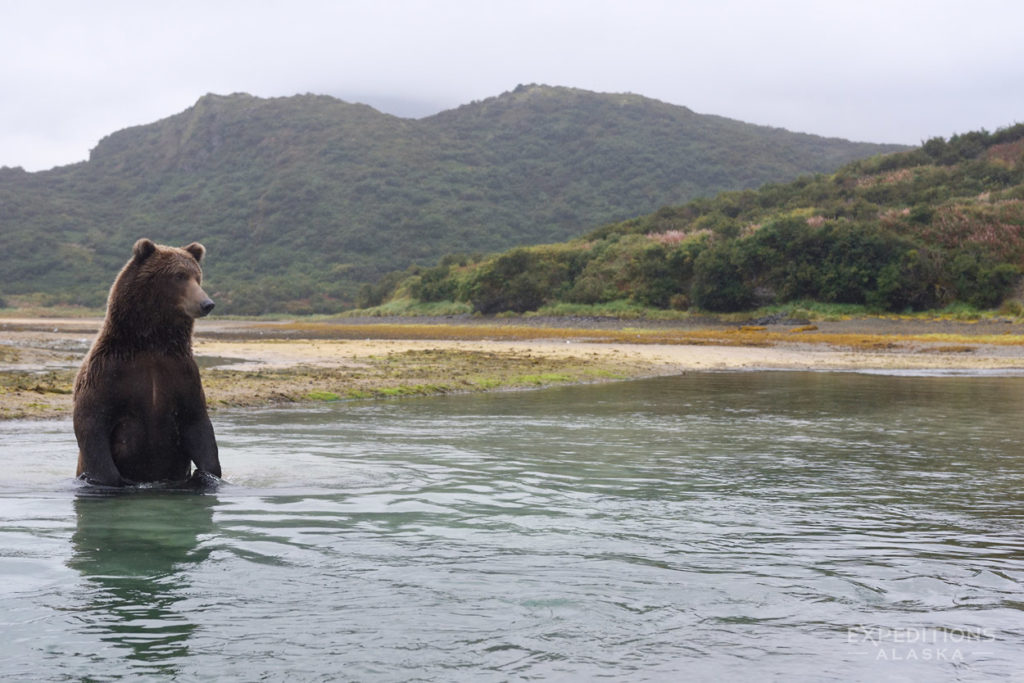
(196, 302)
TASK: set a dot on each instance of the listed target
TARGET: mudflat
(252, 363)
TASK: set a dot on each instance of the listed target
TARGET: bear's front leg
(95, 459)
(201, 445)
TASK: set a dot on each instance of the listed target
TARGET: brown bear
(139, 407)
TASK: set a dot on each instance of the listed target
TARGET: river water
(764, 525)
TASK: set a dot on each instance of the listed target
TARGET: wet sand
(249, 363)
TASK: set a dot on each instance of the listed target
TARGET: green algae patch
(544, 378)
(322, 396)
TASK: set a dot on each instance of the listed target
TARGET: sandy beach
(254, 363)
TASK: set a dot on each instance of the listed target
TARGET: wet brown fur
(139, 408)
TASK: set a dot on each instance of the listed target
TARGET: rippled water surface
(786, 526)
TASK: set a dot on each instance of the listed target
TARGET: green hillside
(916, 230)
(302, 200)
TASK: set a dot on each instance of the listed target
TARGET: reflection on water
(136, 550)
(714, 526)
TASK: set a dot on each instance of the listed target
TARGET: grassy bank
(33, 394)
(257, 363)
(407, 373)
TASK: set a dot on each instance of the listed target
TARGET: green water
(773, 526)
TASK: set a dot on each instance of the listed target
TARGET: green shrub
(718, 280)
(981, 283)
(434, 284)
(519, 281)
(912, 281)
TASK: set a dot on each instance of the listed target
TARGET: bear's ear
(197, 250)
(143, 249)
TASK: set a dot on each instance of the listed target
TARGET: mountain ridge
(303, 199)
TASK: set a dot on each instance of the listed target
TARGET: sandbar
(254, 363)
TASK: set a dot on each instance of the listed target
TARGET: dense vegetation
(302, 200)
(915, 230)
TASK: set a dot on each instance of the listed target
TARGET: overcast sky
(871, 70)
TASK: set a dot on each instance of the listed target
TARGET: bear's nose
(206, 307)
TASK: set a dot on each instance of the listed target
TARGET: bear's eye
(181, 277)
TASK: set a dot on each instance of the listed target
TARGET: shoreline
(258, 363)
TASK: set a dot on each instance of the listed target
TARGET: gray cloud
(875, 70)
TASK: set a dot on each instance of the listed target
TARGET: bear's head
(159, 286)
(173, 274)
